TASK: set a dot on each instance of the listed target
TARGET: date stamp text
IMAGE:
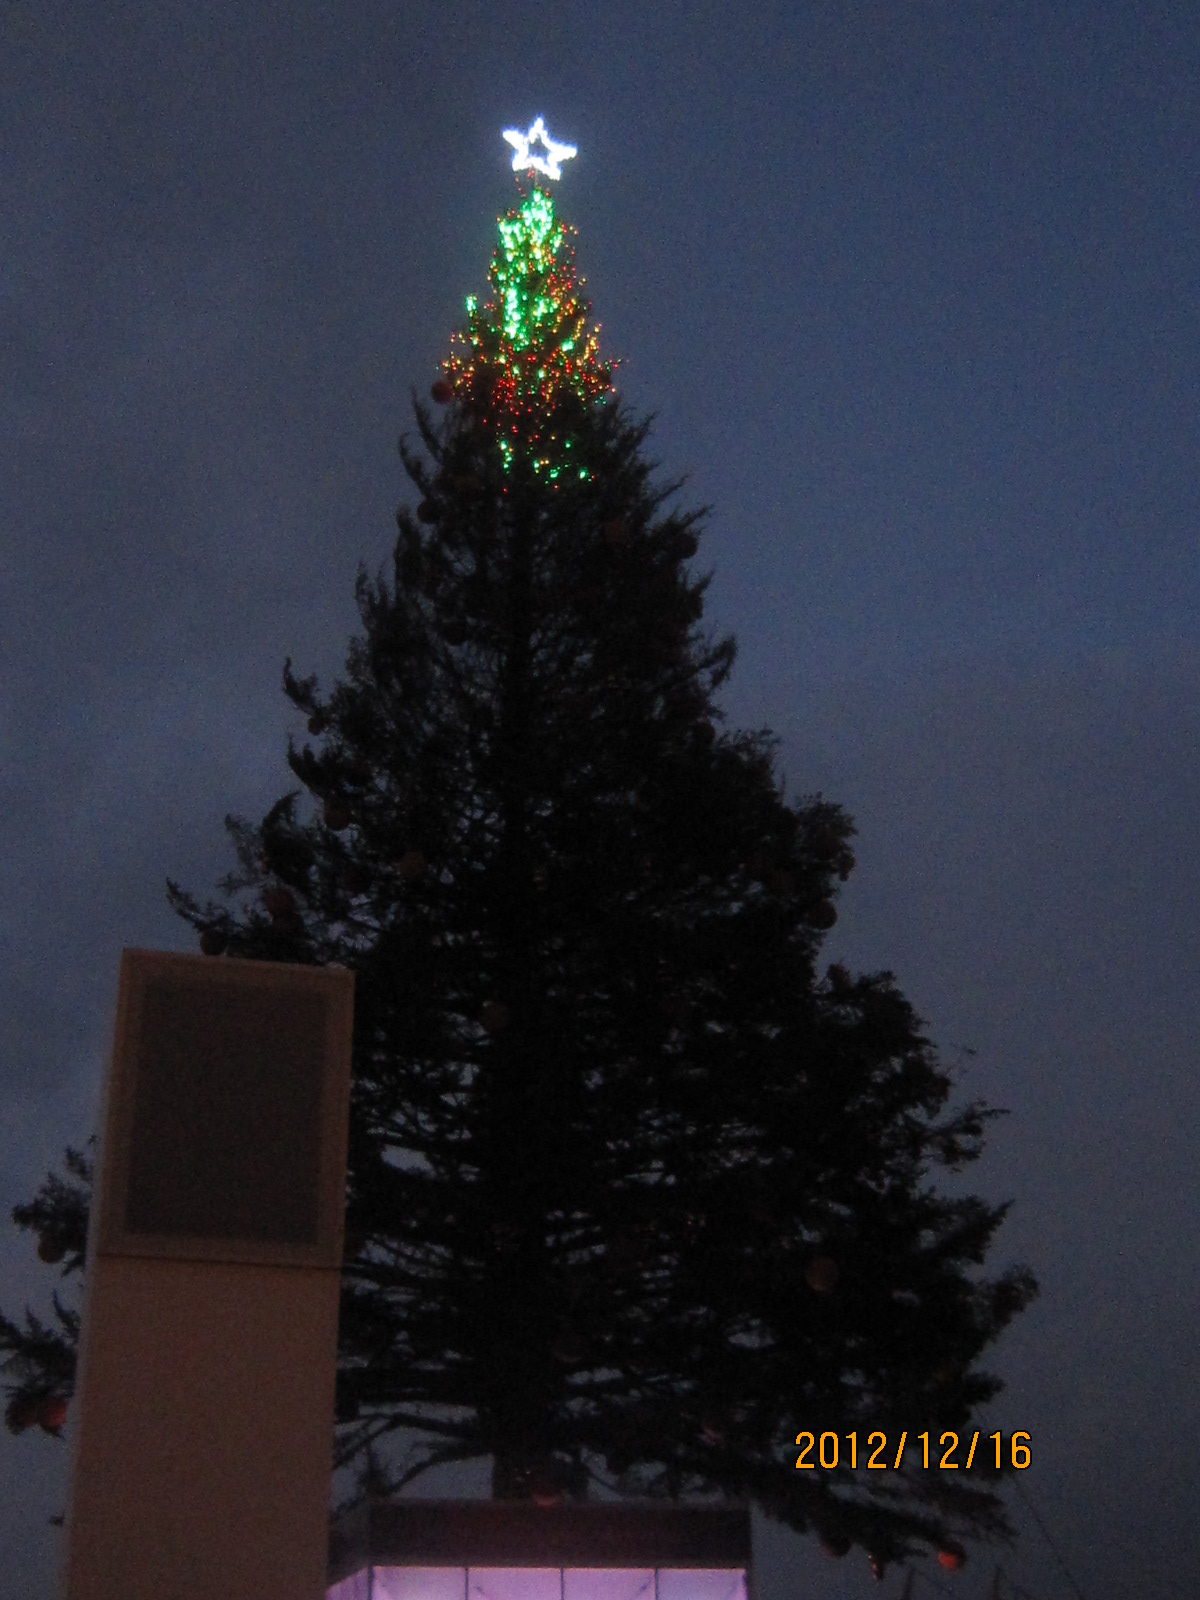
(945, 1452)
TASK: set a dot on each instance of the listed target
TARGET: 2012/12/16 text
(943, 1456)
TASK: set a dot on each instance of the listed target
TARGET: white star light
(526, 160)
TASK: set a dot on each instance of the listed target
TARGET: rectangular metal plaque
(225, 1077)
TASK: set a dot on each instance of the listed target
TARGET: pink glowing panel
(514, 1583)
(701, 1583)
(417, 1583)
(608, 1583)
(546, 1583)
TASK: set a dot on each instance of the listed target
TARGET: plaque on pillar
(203, 1417)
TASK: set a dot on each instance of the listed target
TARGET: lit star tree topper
(526, 146)
(530, 345)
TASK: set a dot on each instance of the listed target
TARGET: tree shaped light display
(638, 1192)
(529, 348)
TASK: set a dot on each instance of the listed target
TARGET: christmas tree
(637, 1193)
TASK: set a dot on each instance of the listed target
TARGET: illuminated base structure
(517, 1550)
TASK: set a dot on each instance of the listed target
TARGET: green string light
(530, 343)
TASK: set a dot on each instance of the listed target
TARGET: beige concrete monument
(202, 1423)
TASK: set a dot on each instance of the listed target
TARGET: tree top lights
(527, 160)
(529, 348)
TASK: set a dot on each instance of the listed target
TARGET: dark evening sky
(912, 288)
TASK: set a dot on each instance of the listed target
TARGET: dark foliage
(637, 1192)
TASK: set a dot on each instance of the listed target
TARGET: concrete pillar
(202, 1422)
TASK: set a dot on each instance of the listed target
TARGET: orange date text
(943, 1452)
